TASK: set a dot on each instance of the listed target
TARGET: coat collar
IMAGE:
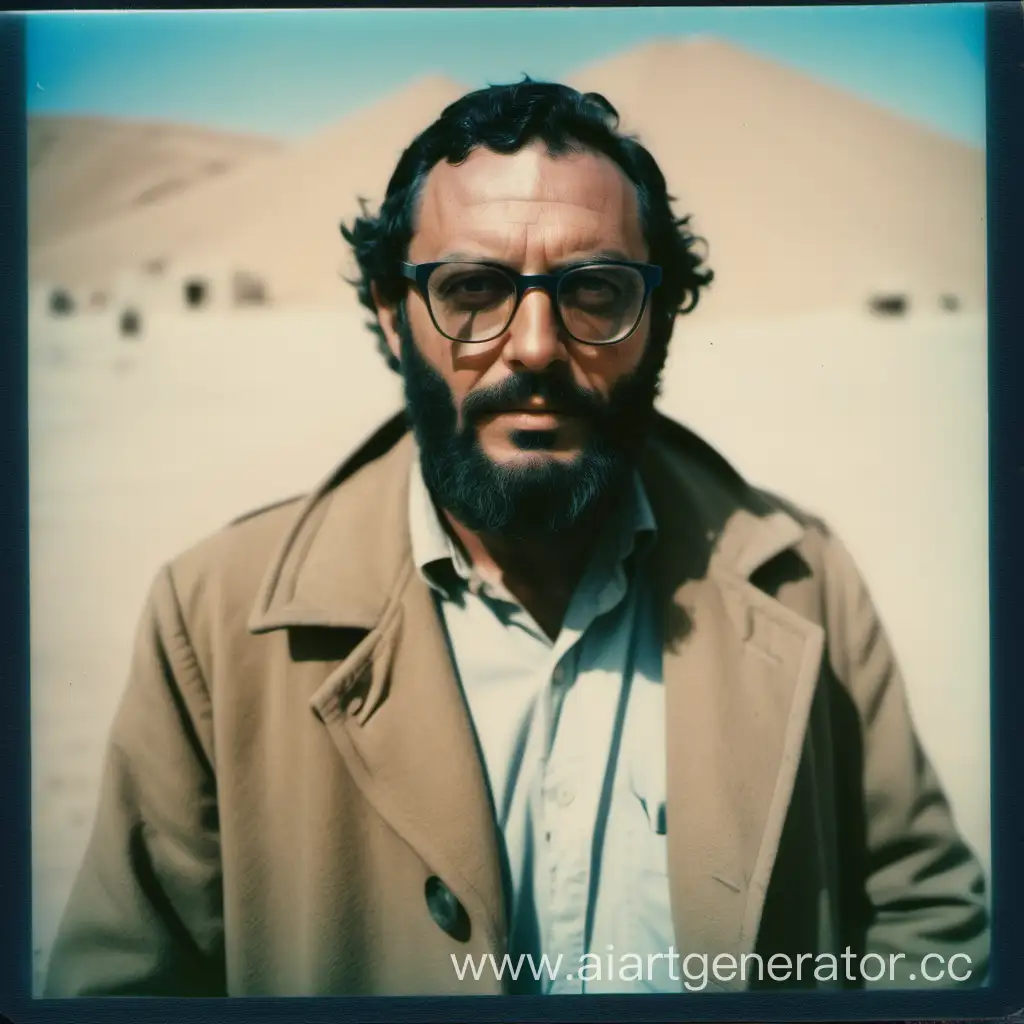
(349, 546)
(342, 558)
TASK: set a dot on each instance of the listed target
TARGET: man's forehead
(530, 187)
(585, 180)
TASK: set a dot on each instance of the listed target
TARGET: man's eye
(594, 287)
(470, 285)
(473, 287)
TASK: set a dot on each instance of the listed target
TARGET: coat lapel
(414, 754)
(739, 672)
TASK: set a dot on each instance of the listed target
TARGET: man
(534, 671)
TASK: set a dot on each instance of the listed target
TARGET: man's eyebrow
(468, 257)
(578, 259)
(601, 256)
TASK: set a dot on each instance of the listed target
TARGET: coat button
(447, 912)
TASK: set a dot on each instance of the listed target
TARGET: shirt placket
(567, 795)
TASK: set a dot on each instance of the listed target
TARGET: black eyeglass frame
(419, 274)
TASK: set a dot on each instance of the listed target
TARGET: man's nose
(535, 335)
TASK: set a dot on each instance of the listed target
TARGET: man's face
(529, 431)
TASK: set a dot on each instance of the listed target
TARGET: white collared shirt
(572, 736)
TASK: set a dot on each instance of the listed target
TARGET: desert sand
(810, 200)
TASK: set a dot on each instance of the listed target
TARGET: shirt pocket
(648, 815)
(649, 836)
(648, 920)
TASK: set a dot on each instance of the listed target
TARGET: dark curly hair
(506, 119)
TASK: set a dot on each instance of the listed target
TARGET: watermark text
(696, 970)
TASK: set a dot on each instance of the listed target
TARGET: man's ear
(387, 316)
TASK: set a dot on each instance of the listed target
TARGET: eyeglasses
(597, 303)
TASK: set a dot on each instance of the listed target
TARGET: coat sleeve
(924, 886)
(145, 913)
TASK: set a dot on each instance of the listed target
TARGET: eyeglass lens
(598, 304)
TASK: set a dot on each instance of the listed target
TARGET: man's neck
(541, 572)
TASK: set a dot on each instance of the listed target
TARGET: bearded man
(534, 673)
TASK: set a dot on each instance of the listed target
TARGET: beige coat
(291, 776)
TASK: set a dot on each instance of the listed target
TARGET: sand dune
(809, 197)
(278, 215)
(83, 170)
(297, 245)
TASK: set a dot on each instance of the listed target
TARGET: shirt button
(565, 797)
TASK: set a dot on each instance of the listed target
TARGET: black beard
(541, 497)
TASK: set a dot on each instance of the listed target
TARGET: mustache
(558, 390)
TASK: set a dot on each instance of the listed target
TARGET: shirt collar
(442, 564)
(434, 552)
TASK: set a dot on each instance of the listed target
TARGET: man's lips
(536, 410)
(532, 417)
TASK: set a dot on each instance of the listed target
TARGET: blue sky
(288, 73)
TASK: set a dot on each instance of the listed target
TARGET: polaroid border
(1003, 997)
